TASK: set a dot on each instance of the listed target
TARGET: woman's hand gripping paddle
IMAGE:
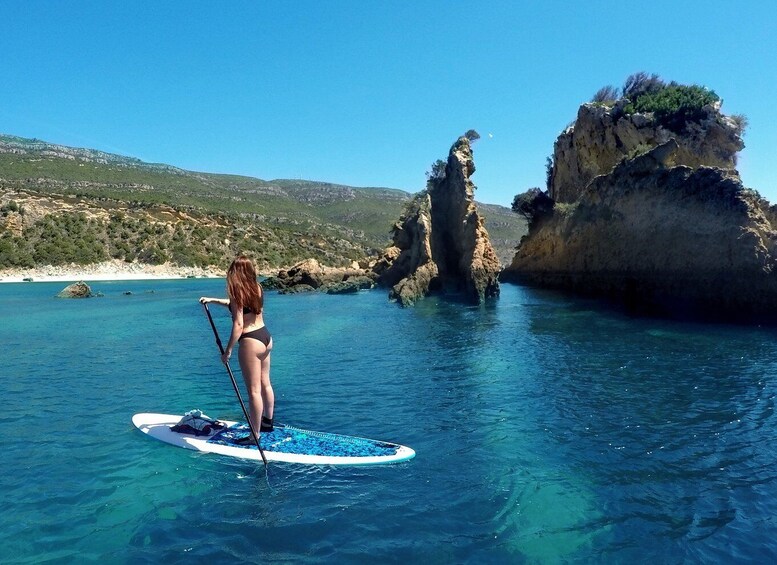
(234, 385)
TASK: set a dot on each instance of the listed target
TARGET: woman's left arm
(219, 301)
(237, 329)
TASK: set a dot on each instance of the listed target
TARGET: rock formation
(310, 275)
(653, 215)
(407, 267)
(602, 136)
(664, 239)
(76, 290)
(440, 242)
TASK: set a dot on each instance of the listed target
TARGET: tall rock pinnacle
(440, 242)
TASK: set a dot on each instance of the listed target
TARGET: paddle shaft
(234, 385)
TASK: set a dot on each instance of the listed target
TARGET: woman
(246, 302)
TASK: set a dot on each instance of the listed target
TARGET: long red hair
(242, 287)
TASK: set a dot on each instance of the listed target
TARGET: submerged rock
(296, 289)
(76, 290)
(350, 286)
(440, 243)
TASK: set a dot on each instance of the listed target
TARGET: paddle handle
(234, 385)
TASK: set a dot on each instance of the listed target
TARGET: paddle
(234, 385)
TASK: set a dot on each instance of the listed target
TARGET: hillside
(70, 205)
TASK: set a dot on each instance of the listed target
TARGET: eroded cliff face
(667, 239)
(440, 243)
(604, 135)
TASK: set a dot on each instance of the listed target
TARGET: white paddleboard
(284, 443)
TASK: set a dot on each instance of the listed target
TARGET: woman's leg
(250, 356)
(268, 396)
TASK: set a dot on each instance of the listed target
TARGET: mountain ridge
(347, 222)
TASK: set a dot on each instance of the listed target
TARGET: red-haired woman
(246, 303)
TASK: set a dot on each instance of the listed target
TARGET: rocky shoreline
(106, 271)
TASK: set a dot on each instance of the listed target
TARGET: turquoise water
(547, 430)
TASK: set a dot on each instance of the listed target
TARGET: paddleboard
(285, 443)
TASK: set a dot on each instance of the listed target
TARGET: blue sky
(367, 93)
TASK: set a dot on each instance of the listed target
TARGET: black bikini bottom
(261, 334)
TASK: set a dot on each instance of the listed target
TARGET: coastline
(115, 270)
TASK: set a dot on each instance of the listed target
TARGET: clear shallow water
(547, 430)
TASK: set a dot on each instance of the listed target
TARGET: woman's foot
(246, 440)
(266, 424)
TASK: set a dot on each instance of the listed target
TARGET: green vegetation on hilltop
(532, 204)
(673, 105)
(134, 235)
(55, 240)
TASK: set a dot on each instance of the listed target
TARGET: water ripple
(547, 430)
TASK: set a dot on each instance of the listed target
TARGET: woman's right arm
(220, 301)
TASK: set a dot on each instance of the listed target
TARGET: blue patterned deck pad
(288, 439)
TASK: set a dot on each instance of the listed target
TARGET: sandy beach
(107, 271)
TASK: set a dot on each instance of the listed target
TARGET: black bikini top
(246, 309)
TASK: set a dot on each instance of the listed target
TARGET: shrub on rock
(533, 204)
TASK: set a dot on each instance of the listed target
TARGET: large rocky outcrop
(666, 239)
(407, 267)
(309, 275)
(603, 135)
(440, 242)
